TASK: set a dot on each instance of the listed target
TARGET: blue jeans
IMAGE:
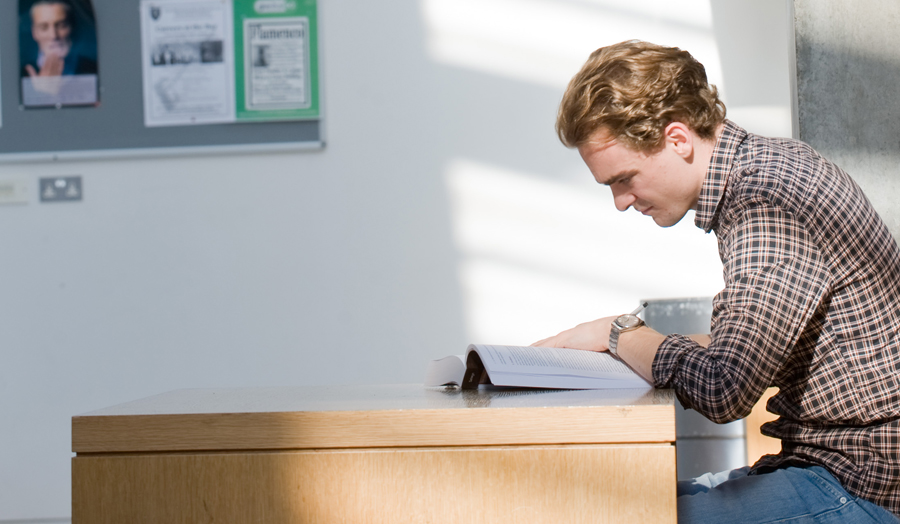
(791, 495)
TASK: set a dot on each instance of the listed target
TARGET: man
(811, 301)
(52, 30)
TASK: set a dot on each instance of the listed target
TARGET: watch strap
(615, 330)
(614, 338)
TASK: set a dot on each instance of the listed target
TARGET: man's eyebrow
(619, 176)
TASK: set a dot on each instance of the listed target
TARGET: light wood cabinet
(372, 454)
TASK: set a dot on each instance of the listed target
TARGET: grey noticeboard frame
(115, 128)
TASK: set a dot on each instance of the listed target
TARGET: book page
(531, 380)
(447, 370)
(551, 361)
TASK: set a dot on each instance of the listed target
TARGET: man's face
(51, 29)
(663, 185)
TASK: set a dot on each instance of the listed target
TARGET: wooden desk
(372, 454)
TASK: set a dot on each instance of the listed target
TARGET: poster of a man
(58, 53)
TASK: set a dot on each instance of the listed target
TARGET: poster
(276, 64)
(276, 42)
(58, 53)
(188, 62)
(222, 61)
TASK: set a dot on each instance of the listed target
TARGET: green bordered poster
(276, 60)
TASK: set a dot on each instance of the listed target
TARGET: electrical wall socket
(13, 191)
(61, 189)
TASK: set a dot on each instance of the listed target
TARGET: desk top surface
(405, 415)
(375, 398)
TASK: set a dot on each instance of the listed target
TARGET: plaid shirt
(811, 305)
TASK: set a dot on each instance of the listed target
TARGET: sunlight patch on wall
(539, 256)
(546, 41)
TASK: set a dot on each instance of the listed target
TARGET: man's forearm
(638, 349)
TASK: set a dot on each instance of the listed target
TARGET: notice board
(273, 118)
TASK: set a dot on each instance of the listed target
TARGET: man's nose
(623, 200)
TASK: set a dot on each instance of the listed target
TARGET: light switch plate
(13, 191)
(61, 189)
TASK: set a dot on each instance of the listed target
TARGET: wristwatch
(622, 324)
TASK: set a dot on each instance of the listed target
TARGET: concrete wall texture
(848, 80)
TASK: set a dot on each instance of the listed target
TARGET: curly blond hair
(633, 90)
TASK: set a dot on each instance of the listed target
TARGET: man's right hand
(54, 61)
(53, 66)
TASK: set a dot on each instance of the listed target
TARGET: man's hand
(636, 347)
(53, 66)
(54, 61)
(590, 336)
(50, 85)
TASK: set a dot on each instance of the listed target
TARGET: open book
(532, 367)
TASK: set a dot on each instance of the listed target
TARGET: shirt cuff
(667, 358)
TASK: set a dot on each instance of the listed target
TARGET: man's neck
(703, 151)
(705, 148)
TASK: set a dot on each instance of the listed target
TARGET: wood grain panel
(357, 429)
(618, 484)
(757, 443)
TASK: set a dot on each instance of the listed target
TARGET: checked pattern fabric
(811, 305)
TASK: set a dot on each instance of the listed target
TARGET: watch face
(628, 321)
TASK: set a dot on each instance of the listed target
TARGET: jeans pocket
(829, 487)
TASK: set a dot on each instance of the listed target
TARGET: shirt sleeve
(775, 279)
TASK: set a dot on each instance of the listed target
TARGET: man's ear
(680, 138)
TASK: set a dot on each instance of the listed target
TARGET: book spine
(475, 373)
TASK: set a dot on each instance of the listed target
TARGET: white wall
(443, 211)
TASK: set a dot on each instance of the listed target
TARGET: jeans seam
(809, 515)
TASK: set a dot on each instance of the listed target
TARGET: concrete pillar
(848, 92)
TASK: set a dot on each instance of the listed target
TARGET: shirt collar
(713, 189)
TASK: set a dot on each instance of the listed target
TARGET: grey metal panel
(696, 456)
(689, 423)
(118, 122)
(686, 316)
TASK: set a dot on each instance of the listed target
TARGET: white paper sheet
(188, 61)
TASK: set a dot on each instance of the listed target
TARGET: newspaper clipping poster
(188, 62)
(276, 63)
